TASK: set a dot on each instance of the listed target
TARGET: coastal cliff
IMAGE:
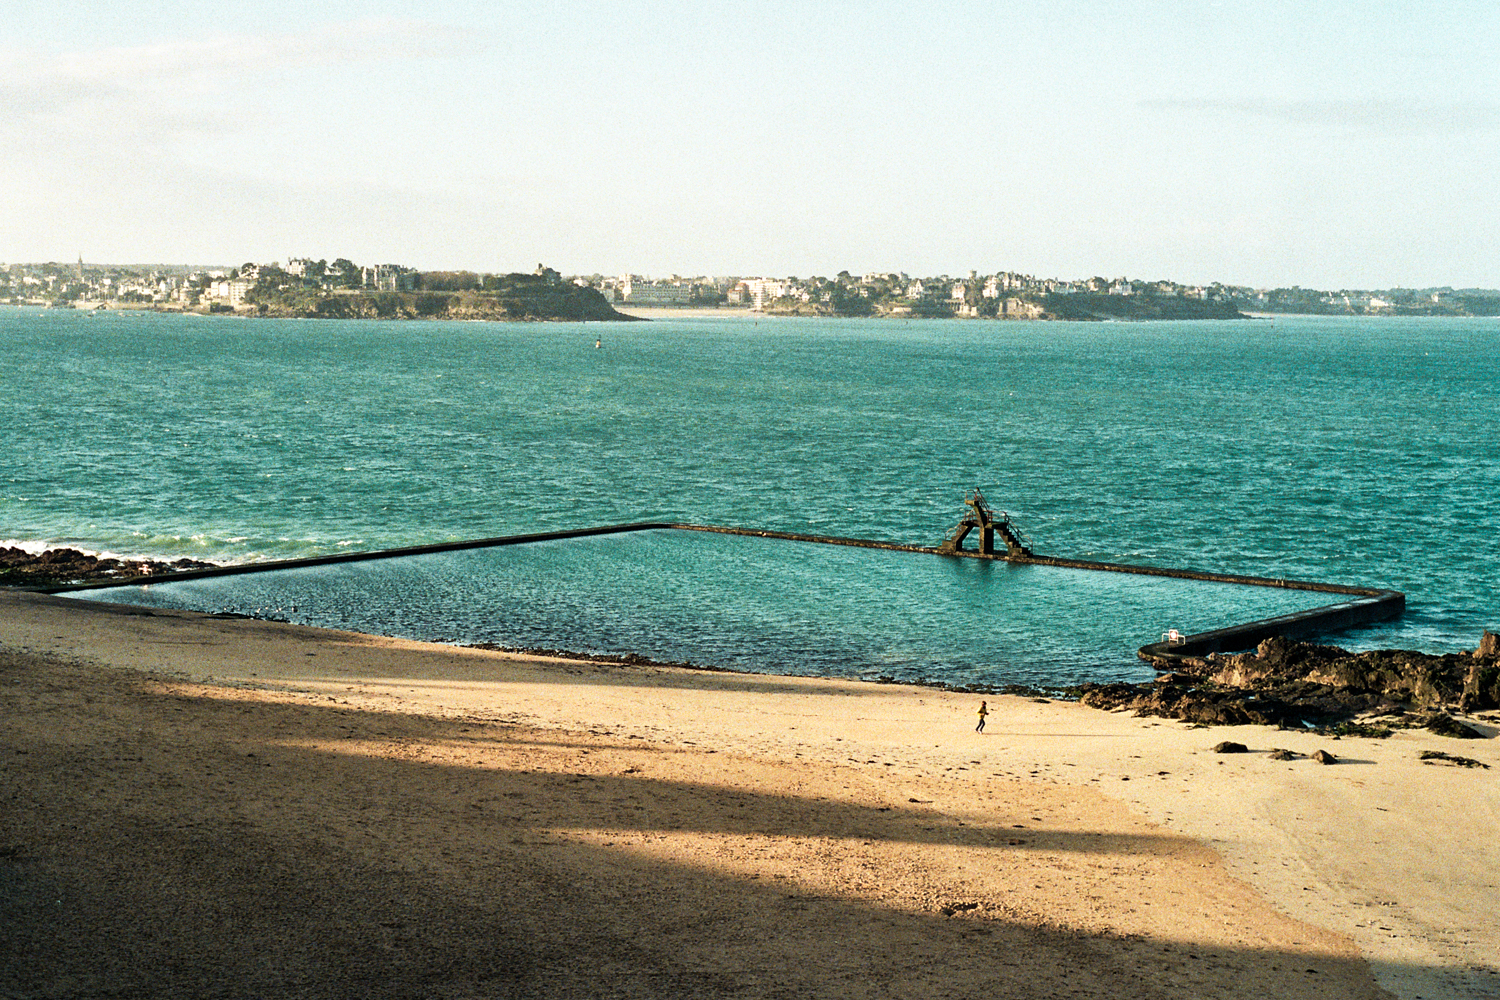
(1076, 306)
(529, 301)
(1098, 306)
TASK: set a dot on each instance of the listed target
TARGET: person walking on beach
(984, 710)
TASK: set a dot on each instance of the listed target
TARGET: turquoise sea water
(1361, 451)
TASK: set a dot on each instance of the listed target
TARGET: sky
(1324, 144)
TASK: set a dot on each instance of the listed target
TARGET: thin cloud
(171, 90)
(1382, 116)
(372, 39)
(94, 87)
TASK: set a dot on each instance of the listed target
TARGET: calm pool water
(755, 604)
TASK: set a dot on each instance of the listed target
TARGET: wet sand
(206, 806)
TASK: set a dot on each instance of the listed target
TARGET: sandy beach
(204, 806)
(686, 312)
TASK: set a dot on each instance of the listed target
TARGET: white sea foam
(27, 545)
(36, 547)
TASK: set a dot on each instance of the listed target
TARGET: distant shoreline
(627, 313)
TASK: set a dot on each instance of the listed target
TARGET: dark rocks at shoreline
(57, 567)
(1087, 306)
(1296, 684)
(1446, 725)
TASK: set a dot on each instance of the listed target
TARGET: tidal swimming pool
(750, 604)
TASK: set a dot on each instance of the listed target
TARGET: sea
(1352, 450)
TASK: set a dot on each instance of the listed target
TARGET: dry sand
(196, 806)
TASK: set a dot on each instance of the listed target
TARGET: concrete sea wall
(1362, 606)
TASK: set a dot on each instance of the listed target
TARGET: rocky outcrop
(1287, 683)
(522, 301)
(1098, 306)
(19, 568)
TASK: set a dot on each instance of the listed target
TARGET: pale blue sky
(1323, 144)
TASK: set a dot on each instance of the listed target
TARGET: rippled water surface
(1354, 450)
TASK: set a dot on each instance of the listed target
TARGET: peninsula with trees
(341, 289)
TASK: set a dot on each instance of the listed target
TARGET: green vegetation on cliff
(1095, 305)
(448, 295)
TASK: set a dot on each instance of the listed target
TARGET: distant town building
(763, 290)
(388, 278)
(1014, 308)
(640, 291)
(230, 290)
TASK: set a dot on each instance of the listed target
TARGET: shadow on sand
(146, 853)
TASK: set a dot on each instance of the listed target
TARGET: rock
(1430, 756)
(1280, 754)
(1109, 696)
(1179, 701)
(1446, 725)
(1482, 684)
(1289, 683)
(19, 568)
(1324, 757)
(1489, 646)
(1230, 747)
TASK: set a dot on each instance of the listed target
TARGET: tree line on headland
(345, 290)
(437, 295)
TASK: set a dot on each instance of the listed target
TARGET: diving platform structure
(1362, 606)
(982, 518)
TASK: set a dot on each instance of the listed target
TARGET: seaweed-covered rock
(1431, 756)
(1421, 679)
(1289, 683)
(1446, 725)
(54, 567)
(1277, 658)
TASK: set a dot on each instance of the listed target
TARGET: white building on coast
(640, 291)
